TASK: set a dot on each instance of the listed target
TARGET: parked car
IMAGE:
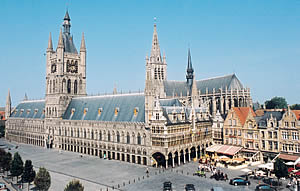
(239, 181)
(190, 187)
(264, 187)
(167, 186)
(272, 182)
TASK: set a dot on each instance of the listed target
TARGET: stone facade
(167, 125)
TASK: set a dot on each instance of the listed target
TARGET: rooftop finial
(82, 46)
(50, 46)
(155, 50)
(60, 40)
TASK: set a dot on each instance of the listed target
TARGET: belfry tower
(65, 72)
(156, 74)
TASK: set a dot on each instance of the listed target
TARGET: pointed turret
(82, 46)
(67, 24)
(155, 50)
(8, 106)
(25, 97)
(189, 70)
(60, 40)
(50, 46)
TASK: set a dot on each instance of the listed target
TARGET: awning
(288, 157)
(224, 149)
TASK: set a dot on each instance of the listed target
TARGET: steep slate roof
(242, 113)
(181, 87)
(262, 119)
(297, 113)
(125, 103)
(68, 44)
(30, 109)
(169, 102)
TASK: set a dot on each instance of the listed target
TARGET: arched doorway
(187, 155)
(159, 159)
(193, 152)
(176, 158)
(182, 157)
(170, 159)
(198, 151)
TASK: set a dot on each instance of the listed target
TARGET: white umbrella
(223, 157)
(246, 170)
(290, 163)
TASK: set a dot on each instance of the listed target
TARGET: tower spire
(67, 24)
(189, 70)
(8, 106)
(82, 46)
(60, 40)
(50, 46)
(155, 50)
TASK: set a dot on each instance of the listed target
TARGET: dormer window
(85, 111)
(100, 111)
(35, 111)
(116, 111)
(182, 116)
(22, 110)
(175, 116)
(135, 111)
(72, 111)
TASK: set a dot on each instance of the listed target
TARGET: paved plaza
(98, 174)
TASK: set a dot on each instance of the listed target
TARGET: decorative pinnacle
(50, 46)
(82, 46)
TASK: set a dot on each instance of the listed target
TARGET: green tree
(74, 185)
(280, 169)
(16, 168)
(276, 103)
(42, 180)
(28, 174)
(6, 161)
(295, 107)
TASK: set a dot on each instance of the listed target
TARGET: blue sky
(259, 40)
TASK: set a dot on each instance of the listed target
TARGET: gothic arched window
(118, 136)
(108, 135)
(92, 134)
(128, 138)
(77, 132)
(100, 135)
(139, 139)
(75, 87)
(63, 86)
(69, 86)
(84, 134)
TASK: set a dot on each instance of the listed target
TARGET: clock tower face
(72, 67)
(53, 68)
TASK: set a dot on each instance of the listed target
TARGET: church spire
(155, 50)
(189, 70)
(8, 106)
(60, 40)
(82, 46)
(67, 24)
(25, 97)
(50, 46)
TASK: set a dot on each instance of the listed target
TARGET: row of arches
(127, 154)
(67, 86)
(105, 135)
(178, 157)
(51, 111)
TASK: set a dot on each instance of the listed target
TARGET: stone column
(196, 153)
(214, 106)
(184, 161)
(167, 162)
(173, 162)
(178, 159)
(221, 105)
(189, 156)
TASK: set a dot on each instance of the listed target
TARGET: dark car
(272, 182)
(264, 187)
(239, 181)
(190, 187)
(167, 186)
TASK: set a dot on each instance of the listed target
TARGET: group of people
(218, 175)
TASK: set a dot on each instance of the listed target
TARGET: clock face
(53, 68)
(72, 67)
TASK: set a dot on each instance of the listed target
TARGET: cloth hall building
(169, 124)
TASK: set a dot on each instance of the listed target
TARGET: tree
(276, 103)
(74, 185)
(28, 174)
(16, 168)
(280, 169)
(42, 180)
(6, 161)
(295, 107)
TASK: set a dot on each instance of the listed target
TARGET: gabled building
(166, 125)
(240, 128)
